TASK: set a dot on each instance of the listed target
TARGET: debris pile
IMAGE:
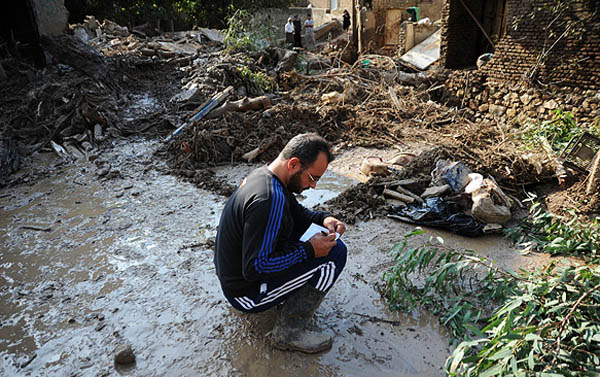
(373, 105)
(65, 108)
(451, 196)
(72, 106)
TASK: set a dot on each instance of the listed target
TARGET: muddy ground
(91, 262)
(112, 242)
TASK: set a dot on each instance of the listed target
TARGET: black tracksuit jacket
(258, 234)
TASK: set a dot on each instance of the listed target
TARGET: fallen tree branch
(250, 156)
(244, 104)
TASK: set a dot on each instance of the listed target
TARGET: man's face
(308, 176)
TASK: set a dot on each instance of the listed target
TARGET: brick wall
(573, 61)
(460, 36)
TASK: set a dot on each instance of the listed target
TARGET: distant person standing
(289, 33)
(309, 37)
(346, 20)
(297, 32)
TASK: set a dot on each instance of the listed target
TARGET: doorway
(474, 28)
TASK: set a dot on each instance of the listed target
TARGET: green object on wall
(415, 13)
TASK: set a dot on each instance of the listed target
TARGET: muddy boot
(290, 332)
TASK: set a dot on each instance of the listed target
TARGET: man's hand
(322, 243)
(334, 225)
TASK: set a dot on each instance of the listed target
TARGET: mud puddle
(116, 252)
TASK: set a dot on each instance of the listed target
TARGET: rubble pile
(72, 107)
(369, 104)
(431, 189)
(65, 108)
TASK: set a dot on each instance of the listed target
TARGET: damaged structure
(545, 58)
(20, 30)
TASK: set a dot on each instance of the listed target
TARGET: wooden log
(69, 50)
(404, 182)
(244, 104)
(594, 177)
(250, 156)
(398, 196)
(409, 193)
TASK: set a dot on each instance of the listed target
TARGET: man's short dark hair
(307, 148)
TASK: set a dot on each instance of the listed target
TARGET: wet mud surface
(115, 251)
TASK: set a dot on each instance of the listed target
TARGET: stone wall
(51, 16)
(511, 87)
(569, 58)
(517, 103)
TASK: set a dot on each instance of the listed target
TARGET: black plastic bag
(438, 213)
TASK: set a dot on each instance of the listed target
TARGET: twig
(377, 319)
(38, 228)
(567, 318)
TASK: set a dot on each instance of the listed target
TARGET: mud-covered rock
(124, 354)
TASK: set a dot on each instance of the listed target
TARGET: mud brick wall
(461, 35)
(321, 3)
(573, 57)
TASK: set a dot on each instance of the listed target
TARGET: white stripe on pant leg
(332, 275)
(242, 304)
(303, 276)
(283, 293)
(288, 289)
(248, 301)
(297, 282)
(321, 278)
(325, 271)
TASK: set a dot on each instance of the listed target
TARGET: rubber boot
(290, 330)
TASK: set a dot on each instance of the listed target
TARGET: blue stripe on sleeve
(264, 264)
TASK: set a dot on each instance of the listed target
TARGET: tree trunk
(594, 177)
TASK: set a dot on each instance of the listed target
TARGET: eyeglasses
(313, 179)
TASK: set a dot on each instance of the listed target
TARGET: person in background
(289, 33)
(297, 32)
(309, 36)
(346, 20)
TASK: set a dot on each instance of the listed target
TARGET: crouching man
(259, 258)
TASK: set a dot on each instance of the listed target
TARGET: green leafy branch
(460, 287)
(549, 329)
(553, 135)
(543, 231)
(542, 323)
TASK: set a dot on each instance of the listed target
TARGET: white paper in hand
(314, 229)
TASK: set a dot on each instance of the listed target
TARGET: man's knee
(339, 254)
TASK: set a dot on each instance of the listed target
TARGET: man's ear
(294, 164)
